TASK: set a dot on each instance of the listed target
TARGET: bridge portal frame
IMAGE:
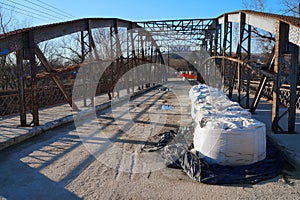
(215, 35)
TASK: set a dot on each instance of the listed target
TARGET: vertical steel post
(33, 80)
(112, 64)
(232, 66)
(21, 88)
(211, 44)
(138, 79)
(248, 70)
(128, 61)
(92, 46)
(152, 73)
(239, 53)
(293, 87)
(224, 47)
(118, 55)
(281, 44)
(143, 73)
(134, 61)
(216, 38)
(248, 87)
(84, 69)
(168, 55)
(82, 46)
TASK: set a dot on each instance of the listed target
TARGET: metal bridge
(230, 40)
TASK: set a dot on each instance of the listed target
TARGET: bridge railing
(39, 82)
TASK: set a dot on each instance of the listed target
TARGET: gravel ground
(102, 159)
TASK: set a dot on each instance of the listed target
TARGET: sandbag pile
(225, 133)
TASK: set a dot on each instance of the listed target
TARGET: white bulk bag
(197, 95)
(231, 141)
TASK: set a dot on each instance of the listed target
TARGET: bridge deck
(61, 166)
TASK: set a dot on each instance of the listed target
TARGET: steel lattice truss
(181, 35)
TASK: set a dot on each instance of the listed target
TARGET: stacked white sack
(224, 132)
(197, 95)
(226, 140)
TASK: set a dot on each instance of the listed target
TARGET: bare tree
(102, 40)
(5, 25)
(5, 21)
(257, 5)
(290, 7)
(69, 49)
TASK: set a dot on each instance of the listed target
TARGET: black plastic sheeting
(175, 149)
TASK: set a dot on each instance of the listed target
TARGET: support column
(127, 83)
(281, 44)
(248, 73)
(293, 87)
(248, 87)
(21, 89)
(33, 80)
(143, 70)
(118, 56)
(134, 61)
(83, 55)
(92, 46)
(225, 22)
(216, 38)
(112, 64)
(239, 53)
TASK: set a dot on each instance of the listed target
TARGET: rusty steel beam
(293, 87)
(248, 88)
(225, 36)
(33, 80)
(84, 70)
(244, 38)
(92, 47)
(281, 46)
(127, 66)
(227, 51)
(13, 40)
(138, 79)
(237, 66)
(151, 58)
(246, 64)
(216, 40)
(142, 77)
(258, 94)
(247, 70)
(118, 54)
(56, 80)
(135, 61)
(112, 56)
(82, 46)
(239, 53)
(21, 89)
(262, 84)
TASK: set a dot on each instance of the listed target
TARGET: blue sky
(136, 10)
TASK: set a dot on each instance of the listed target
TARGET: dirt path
(102, 159)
